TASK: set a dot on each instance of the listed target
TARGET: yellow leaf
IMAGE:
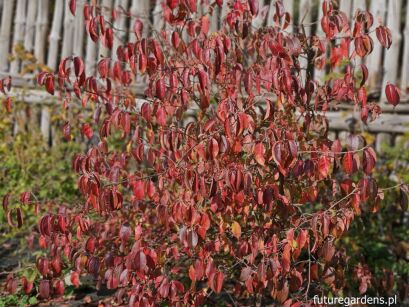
(236, 230)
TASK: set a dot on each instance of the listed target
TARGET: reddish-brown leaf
(392, 94)
(44, 289)
(348, 163)
(384, 36)
(259, 152)
(218, 283)
(73, 5)
(369, 160)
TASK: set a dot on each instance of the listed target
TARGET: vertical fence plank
(346, 6)
(358, 5)
(68, 32)
(374, 60)
(391, 62)
(141, 9)
(55, 34)
(305, 17)
(5, 32)
(41, 31)
(289, 7)
(30, 25)
(78, 48)
(18, 33)
(157, 16)
(319, 74)
(119, 23)
(90, 55)
(107, 13)
(405, 60)
(215, 19)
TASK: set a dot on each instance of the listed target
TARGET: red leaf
(42, 265)
(384, 36)
(75, 279)
(59, 287)
(364, 70)
(19, 218)
(253, 4)
(7, 104)
(6, 202)
(172, 4)
(73, 5)
(363, 45)
(369, 160)
(139, 189)
(213, 148)
(78, 66)
(161, 116)
(27, 285)
(324, 166)
(44, 289)
(90, 245)
(218, 282)
(49, 84)
(138, 28)
(392, 94)
(87, 130)
(175, 39)
(259, 151)
(103, 67)
(160, 88)
(348, 163)
(203, 80)
(140, 261)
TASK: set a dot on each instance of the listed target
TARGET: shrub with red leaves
(247, 199)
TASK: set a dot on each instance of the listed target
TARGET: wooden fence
(47, 29)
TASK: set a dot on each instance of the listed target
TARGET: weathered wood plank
(5, 33)
(68, 32)
(18, 32)
(41, 31)
(30, 25)
(55, 35)
(387, 122)
(79, 29)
